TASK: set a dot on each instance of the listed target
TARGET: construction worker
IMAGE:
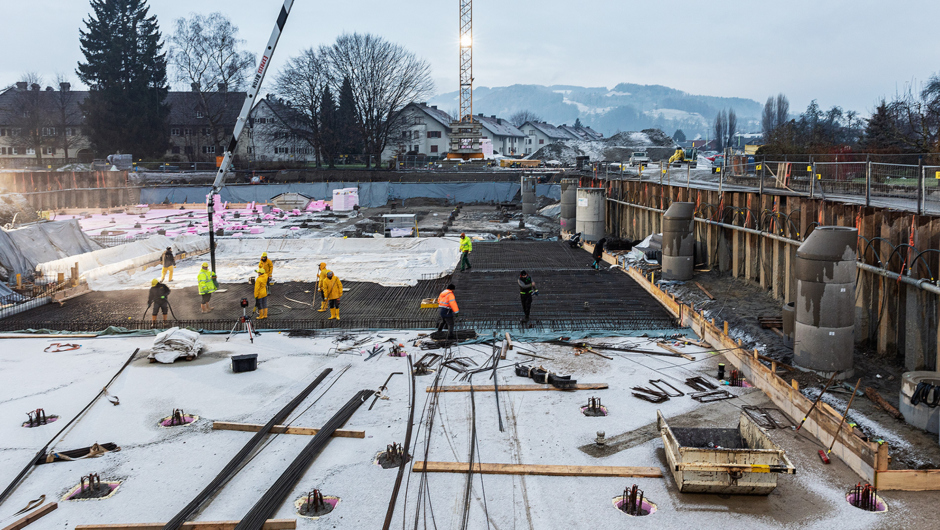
(207, 286)
(447, 308)
(598, 253)
(169, 263)
(158, 294)
(678, 156)
(332, 291)
(321, 276)
(466, 246)
(261, 293)
(267, 265)
(526, 290)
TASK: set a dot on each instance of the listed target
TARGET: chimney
(49, 89)
(35, 87)
(223, 87)
(195, 87)
(434, 106)
(21, 85)
(499, 120)
(480, 114)
(65, 87)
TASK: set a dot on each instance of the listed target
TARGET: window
(189, 149)
(208, 149)
(14, 132)
(3, 150)
(175, 131)
(541, 141)
(3, 132)
(434, 134)
(528, 141)
(176, 150)
(250, 150)
(406, 135)
(262, 120)
(14, 151)
(433, 148)
(279, 135)
(69, 131)
(206, 131)
(417, 135)
(30, 151)
(187, 131)
(48, 150)
(48, 131)
(281, 150)
(200, 114)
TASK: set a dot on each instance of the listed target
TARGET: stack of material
(345, 199)
(175, 343)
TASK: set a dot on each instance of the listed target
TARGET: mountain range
(626, 107)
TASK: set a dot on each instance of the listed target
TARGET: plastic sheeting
(112, 260)
(175, 343)
(22, 249)
(371, 194)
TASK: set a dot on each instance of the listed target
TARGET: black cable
(42, 452)
(232, 467)
(269, 503)
(404, 461)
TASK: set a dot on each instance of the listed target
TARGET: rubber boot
(323, 307)
(153, 318)
(332, 314)
(337, 318)
(263, 314)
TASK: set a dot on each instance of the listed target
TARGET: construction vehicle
(688, 156)
(639, 158)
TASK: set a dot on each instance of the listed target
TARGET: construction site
(675, 344)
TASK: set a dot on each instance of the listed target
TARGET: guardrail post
(921, 182)
(760, 177)
(867, 180)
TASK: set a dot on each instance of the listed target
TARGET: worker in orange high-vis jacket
(447, 307)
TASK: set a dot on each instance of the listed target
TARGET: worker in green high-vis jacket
(466, 246)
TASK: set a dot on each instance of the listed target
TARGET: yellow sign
(809, 168)
(818, 176)
(937, 175)
(717, 170)
(758, 167)
(664, 171)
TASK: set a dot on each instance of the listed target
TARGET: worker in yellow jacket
(208, 284)
(678, 156)
(321, 275)
(267, 265)
(466, 247)
(332, 291)
(261, 293)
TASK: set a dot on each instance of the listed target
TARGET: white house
(425, 131)
(539, 134)
(507, 138)
(276, 134)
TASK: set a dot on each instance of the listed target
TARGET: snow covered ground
(161, 469)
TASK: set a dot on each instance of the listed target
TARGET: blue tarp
(371, 194)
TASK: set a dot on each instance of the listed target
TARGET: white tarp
(386, 261)
(175, 343)
(109, 261)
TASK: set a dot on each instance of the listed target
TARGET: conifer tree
(329, 137)
(125, 70)
(348, 129)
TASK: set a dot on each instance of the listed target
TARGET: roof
(184, 105)
(285, 113)
(498, 126)
(435, 113)
(584, 133)
(550, 130)
(10, 99)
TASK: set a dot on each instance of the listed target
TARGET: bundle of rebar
(232, 467)
(865, 497)
(266, 507)
(632, 502)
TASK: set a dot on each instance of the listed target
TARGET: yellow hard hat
(264, 254)
(205, 264)
(154, 282)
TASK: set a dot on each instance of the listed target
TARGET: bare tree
(385, 77)
(720, 127)
(205, 56)
(66, 115)
(732, 126)
(29, 117)
(301, 83)
(783, 110)
(768, 120)
(523, 116)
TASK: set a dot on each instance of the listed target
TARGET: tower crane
(466, 133)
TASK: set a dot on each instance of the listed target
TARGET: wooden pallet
(770, 322)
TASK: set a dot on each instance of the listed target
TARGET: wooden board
(515, 388)
(675, 351)
(32, 517)
(270, 524)
(282, 429)
(532, 469)
(708, 294)
(908, 480)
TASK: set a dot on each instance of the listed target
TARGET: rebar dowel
(401, 469)
(268, 504)
(232, 467)
(42, 452)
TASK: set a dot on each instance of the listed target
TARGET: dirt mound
(14, 204)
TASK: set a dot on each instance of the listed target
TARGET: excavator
(689, 156)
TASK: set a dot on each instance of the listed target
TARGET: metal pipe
(922, 283)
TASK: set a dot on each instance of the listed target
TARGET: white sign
(582, 201)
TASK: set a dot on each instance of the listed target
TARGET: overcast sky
(847, 53)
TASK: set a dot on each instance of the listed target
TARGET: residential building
(277, 133)
(48, 122)
(202, 122)
(424, 130)
(539, 134)
(507, 139)
(583, 133)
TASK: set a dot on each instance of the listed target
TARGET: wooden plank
(708, 294)
(533, 469)
(32, 517)
(675, 351)
(909, 480)
(516, 388)
(270, 524)
(876, 398)
(282, 429)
